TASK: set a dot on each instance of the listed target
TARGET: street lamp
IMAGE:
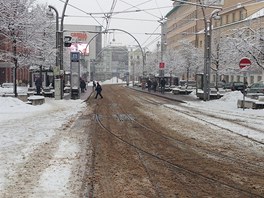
(208, 52)
(161, 45)
(59, 41)
(50, 14)
(14, 49)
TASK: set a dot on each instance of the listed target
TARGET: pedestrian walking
(149, 83)
(98, 90)
(94, 85)
(162, 85)
(82, 85)
(155, 84)
(38, 84)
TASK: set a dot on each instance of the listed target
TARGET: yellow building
(186, 21)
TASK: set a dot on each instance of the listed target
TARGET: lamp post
(14, 49)
(57, 83)
(161, 64)
(49, 13)
(208, 52)
(59, 41)
(61, 33)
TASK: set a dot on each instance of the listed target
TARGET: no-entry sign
(161, 65)
(244, 62)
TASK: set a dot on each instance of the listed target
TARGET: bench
(248, 104)
(181, 91)
(36, 100)
(31, 91)
(48, 92)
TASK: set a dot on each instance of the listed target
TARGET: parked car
(235, 86)
(238, 86)
(256, 88)
(228, 85)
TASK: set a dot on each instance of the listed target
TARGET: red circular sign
(244, 62)
(161, 65)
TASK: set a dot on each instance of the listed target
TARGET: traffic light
(67, 41)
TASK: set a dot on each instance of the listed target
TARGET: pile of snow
(226, 103)
(114, 80)
(10, 90)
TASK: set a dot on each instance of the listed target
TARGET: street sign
(244, 62)
(161, 65)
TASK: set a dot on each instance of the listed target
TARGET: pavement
(168, 95)
(87, 93)
(83, 96)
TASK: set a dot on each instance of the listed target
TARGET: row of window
(240, 79)
(231, 18)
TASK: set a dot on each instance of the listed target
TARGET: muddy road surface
(136, 145)
(140, 149)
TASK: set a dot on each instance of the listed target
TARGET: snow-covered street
(38, 130)
(28, 131)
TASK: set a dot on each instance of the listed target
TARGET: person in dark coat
(98, 90)
(162, 85)
(149, 83)
(94, 85)
(38, 84)
(155, 84)
(82, 85)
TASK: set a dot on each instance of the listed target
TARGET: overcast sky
(136, 23)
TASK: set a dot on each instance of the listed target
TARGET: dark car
(256, 88)
(235, 86)
(228, 85)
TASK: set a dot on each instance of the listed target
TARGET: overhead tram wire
(153, 33)
(157, 7)
(83, 12)
(99, 5)
(108, 16)
(153, 41)
(120, 12)
(114, 18)
(143, 10)
(136, 6)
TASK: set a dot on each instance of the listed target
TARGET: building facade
(86, 39)
(187, 21)
(112, 62)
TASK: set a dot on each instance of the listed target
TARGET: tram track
(120, 114)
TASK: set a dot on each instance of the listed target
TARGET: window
(227, 19)
(251, 79)
(241, 15)
(259, 78)
(201, 44)
(233, 17)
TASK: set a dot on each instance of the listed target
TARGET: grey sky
(136, 23)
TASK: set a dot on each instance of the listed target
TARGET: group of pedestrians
(96, 87)
(153, 84)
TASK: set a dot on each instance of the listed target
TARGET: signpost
(244, 63)
(161, 67)
(75, 75)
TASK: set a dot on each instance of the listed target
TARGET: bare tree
(22, 27)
